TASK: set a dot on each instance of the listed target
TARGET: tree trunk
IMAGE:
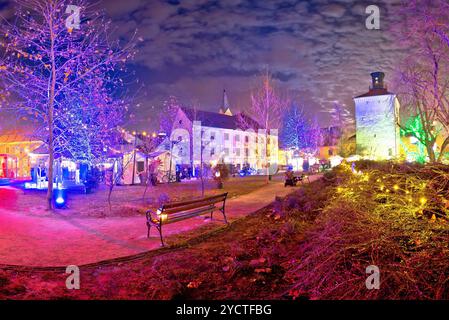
(267, 178)
(202, 169)
(443, 147)
(50, 117)
(430, 153)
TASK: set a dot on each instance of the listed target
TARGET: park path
(57, 241)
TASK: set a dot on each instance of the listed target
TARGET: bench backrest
(176, 207)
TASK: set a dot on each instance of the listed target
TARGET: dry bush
(389, 215)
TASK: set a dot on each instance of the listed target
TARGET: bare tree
(342, 119)
(423, 77)
(267, 106)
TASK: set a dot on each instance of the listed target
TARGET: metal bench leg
(160, 234)
(149, 228)
(224, 215)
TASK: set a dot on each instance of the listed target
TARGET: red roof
(375, 92)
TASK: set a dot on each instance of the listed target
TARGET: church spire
(225, 108)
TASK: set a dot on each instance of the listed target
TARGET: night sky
(320, 51)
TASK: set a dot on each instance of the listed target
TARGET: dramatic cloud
(319, 50)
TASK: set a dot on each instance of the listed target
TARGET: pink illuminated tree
(168, 114)
(266, 109)
(66, 78)
(423, 75)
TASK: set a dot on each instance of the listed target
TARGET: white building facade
(215, 138)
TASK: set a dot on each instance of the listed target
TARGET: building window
(140, 166)
(330, 152)
(390, 152)
(212, 152)
(246, 152)
(237, 138)
(237, 152)
(226, 136)
(226, 151)
(246, 139)
(212, 136)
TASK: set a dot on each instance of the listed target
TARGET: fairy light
(396, 187)
(422, 200)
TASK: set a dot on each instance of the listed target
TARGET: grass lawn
(128, 200)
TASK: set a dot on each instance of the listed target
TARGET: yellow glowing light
(154, 135)
(423, 200)
(388, 190)
(382, 188)
(407, 192)
(144, 133)
(396, 187)
(134, 133)
(339, 189)
(410, 199)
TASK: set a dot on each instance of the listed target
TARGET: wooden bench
(178, 211)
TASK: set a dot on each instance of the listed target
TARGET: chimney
(378, 80)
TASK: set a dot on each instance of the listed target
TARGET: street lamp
(172, 143)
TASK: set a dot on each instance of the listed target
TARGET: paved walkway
(55, 241)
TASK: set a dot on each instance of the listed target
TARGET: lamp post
(134, 157)
(172, 143)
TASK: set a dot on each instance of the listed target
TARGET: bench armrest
(151, 215)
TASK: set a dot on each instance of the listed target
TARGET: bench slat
(219, 198)
(186, 215)
(190, 207)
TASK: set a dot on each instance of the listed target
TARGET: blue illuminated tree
(299, 132)
(66, 78)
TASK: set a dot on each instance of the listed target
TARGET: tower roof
(377, 87)
(217, 120)
(225, 108)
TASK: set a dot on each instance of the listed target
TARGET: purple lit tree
(342, 119)
(423, 75)
(68, 81)
(267, 106)
(168, 114)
